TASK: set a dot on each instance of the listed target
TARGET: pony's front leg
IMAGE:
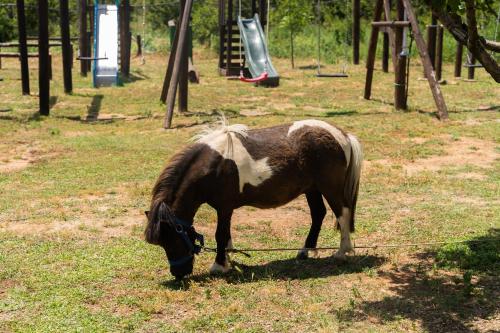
(318, 212)
(223, 239)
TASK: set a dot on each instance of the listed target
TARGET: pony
(230, 166)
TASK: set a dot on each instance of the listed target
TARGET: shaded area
(52, 101)
(286, 269)
(94, 108)
(441, 301)
(132, 77)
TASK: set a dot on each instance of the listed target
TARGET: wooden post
(431, 39)
(400, 72)
(222, 33)
(66, 45)
(90, 34)
(229, 34)
(262, 13)
(183, 72)
(172, 89)
(426, 61)
(356, 14)
(458, 59)
(372, 51)
(83, 47)
(43, 57)
(385, 53)
(390, 32)
(438, 64)
(125, 37)
(170, 66)
(471, 68)
(23, 49)
(139, 45)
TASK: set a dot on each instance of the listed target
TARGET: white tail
(352, 178)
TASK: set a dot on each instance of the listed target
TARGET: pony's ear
(162, 212)
(152, 232)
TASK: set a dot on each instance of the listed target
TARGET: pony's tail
(351, 186)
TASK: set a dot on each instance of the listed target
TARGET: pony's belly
(271, 196)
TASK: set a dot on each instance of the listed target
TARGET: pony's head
(177, 237)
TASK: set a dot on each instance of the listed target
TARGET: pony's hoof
(302, 254)
(219, 269)
(305, 254)
(340, 256)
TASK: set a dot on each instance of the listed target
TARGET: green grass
(72, 256)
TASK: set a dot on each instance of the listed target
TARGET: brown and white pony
(232, 166)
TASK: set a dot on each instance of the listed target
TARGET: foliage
(205, 22)
(292, 15)
(7, 24)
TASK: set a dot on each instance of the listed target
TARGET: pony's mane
(221, 128)
(169, 180)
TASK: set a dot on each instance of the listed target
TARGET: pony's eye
(146, 212)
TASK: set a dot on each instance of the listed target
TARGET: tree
(459, 17)
(295, 15)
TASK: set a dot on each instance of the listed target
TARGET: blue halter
(182, 228)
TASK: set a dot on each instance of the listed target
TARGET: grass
(72, 257)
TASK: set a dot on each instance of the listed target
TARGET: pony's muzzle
(180, 271)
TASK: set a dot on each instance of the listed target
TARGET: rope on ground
(377, 246)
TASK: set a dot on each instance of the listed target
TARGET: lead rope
(376, 246)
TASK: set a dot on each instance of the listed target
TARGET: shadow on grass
(134, 77)
(443, 301)
(94, 108)
(286, 269)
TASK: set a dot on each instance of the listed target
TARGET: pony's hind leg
(223, 239)
(318, 212)
(343, 215)
(345, 238)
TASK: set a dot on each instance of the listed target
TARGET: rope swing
(343, 73)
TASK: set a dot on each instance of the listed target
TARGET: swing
(341, 74)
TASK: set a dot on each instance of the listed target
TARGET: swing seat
(259, 78)
(332, 75)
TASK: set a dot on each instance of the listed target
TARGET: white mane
(221, 130)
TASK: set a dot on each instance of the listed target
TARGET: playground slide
(106, 45)
(256, 53)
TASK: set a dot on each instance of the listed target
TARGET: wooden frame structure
(394, 28)
(229, 34)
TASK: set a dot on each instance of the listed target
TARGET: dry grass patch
(20, 155)
(461, 152)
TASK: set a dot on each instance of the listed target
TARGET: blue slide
(256, 53)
